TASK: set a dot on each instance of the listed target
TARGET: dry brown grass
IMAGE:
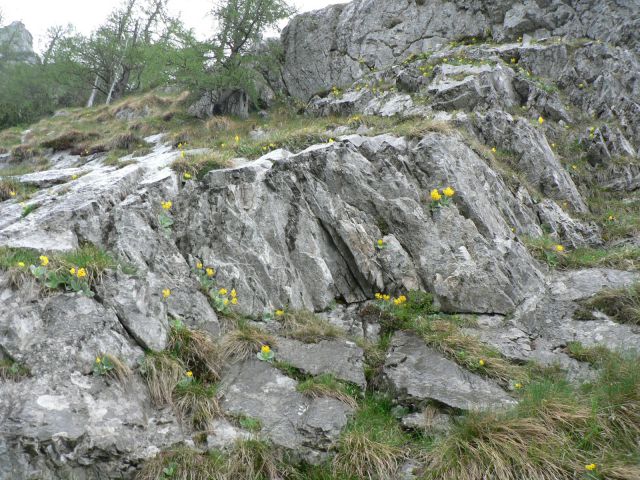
(199, 352)
(308, 327)
(198, 402)
(327, 386)
(622, 305)
(120, 372)
(244, 342)
(162, 372)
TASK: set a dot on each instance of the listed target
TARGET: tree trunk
(94, 92)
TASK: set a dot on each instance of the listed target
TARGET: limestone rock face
(336, 45)
(303, 227)
(17, 43)
(418, 374)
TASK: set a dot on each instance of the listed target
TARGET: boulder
(417, 374)
(234, 102)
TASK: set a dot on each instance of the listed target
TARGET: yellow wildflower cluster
(591, 467)
(400, 300)
(559, 248)
(12, 193)
(436, 196)
(80, 273)
(21, 264)
(540, 120)
(336, 91)
(166, 205)
(189, 374)
(44, 260)
(228, 297)
(271, 146)
(186, 176)
(279, 313)
(166, 293)
(265, 349)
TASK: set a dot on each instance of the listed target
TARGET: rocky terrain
(334, 252)
(19, 43)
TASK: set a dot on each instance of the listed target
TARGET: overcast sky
(85, 15)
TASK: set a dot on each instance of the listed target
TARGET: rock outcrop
(337, 45)
(16, 44)
(524, 130)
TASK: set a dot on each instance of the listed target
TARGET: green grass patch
(28, 209)
(621, 257)
(12, 371)
(555, 431)
(326, 385)
(197, 401)
(373, 444)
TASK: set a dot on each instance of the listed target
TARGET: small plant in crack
(164, 219)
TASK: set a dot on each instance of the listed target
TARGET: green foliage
(545, 249)
(554, 432)
(12, 371)
(27, 209)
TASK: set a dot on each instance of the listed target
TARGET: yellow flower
(279, 313)
(553, 145)
(265, 349)
(222, 291)
(540, 120)
(210, 272)
(264, 149)
(82, 273)
(481, 363)
(331, 140)
(379, 296)
(234, 301)
(513, 60)
(449, 192)
(223, 145)
(611, 218)
(559, 248)
(581, 85)
(72, 271)
(21, 264)
(396, 301)
(494, 150)
(435, 195)
(518, 386)
(237, 138)
(199, 266)
(189, 374)
(12, 193)
(182, 154)
(44, 260)
(74, 177)
(234, 294)
(187, 176)
(166, 293)
(98, 360)
(225, 302)
(272, 145)
(591, 467)
(386, 298)
(380, 242)
(167, 205)
(180, 145)
(574, 167)
(403, 299)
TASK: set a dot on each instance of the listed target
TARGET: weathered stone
(233, 102)
(417, 373)
(308, 427)
(341, 358)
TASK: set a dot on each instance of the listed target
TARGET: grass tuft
(244, 342)
(197, 350)
(621, 304)
(197, 401)
(326, 385)
(12, 371)
(308, 327)
(162, 372)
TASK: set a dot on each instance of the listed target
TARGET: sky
(86, 15)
